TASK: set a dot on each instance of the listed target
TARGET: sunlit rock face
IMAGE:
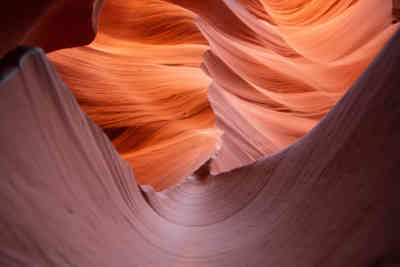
(143, 85)
(270, 70)
(213, 84)
(285, 64)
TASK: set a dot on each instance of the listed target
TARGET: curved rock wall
(70, 200)
(300, 57)
(143, 85)
(276, 68)
(270, 69)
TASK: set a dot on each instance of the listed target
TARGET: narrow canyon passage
(298, 140)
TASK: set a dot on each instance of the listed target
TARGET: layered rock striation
(200, 133)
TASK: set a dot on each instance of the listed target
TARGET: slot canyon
(200, 133)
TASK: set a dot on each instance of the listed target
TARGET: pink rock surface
(68, 199)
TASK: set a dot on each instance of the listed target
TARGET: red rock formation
(143, 85)
(277, 68)
(300, 59)
(329, 199)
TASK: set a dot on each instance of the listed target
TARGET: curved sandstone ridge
(276, 68)
(297, 59)
(141, 81)
(70, 200)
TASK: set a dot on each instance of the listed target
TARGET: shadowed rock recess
(301, 169)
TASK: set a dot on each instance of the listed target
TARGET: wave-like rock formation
(298, 59)
(70, 200)
(270, 127)
(277, 67)
(141, 81)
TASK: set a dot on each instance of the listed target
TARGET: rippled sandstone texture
(143, 85)
(272, 69)
(283, 66)
(276, 68)
(70, 200)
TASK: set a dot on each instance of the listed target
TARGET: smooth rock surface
(274, 68)
(68, 199)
